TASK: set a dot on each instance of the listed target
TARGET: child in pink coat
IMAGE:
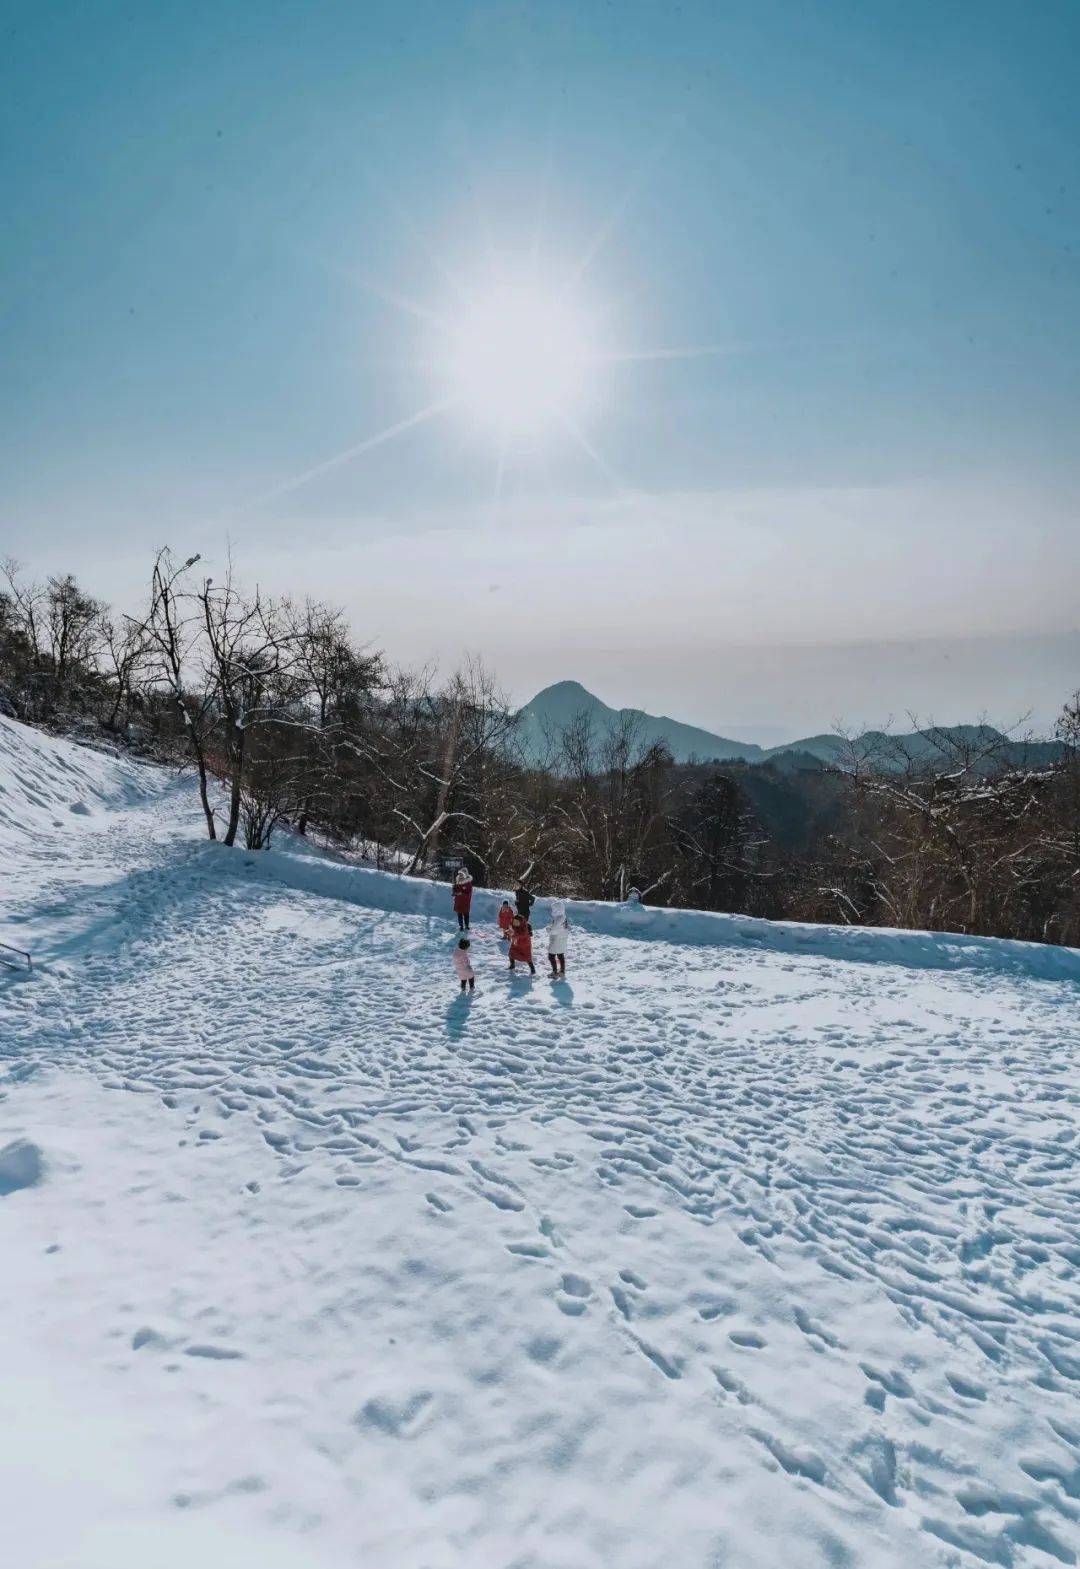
(463, 965)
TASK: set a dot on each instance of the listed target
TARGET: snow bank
(21, 1166)
(318, 873)
(48, 783)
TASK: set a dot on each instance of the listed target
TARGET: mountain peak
(565, 689)
(558, 704)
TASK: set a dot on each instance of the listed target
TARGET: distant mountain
(937, 744)
(551, 710)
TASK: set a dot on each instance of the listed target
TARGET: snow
(49, 785)
(743, 1246)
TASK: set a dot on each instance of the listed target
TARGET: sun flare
(519, 359)
(520, 353)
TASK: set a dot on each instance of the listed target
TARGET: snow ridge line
(319, 873)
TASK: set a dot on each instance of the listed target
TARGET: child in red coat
(506, 920)
(521, 943)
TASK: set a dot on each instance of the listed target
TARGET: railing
(15, 958)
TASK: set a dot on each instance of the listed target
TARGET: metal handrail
(6, 948)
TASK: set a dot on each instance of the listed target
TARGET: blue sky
(873, 209)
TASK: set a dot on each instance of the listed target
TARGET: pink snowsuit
(463, 965)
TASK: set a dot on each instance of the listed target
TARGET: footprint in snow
(543, 1349)
(966, 1388)
(795, 1460)
(573, 1295)
(622, 1301)
(748, 1339)
(878, 1467)
(713, 1307)
(733, 1386)
(669, 1366)
(892, 1381)
(813, 1331)
(396, 1418)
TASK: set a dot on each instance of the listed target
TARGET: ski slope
(745, 1247)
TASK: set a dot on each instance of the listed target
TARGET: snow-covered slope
(727, 1251)
(49, 786)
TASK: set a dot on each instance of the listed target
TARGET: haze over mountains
(556, 706)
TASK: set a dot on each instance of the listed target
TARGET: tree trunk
(234, 794)
(449, 756)
(204, 797)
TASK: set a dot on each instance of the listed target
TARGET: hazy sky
(240, 240)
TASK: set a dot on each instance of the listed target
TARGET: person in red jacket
(462, 899)
(506, 920)
(521, 943)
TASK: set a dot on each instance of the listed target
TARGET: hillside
(553, 708)
(748, 1244)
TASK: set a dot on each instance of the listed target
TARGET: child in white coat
(463, 965)
(557, 934)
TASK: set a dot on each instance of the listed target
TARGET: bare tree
(249, 658)
(28, 606)
(71, 620)
(334, 682)
(952, 837)
(712, 834)
(609, 819)
(171, 631)
(124, 647)
(459, 764)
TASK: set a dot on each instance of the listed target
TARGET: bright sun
(521, 353)
(519, 359)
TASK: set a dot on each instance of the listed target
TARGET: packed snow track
(721, 1254)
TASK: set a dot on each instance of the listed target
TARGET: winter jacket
(558, 930)
(506, 919)
(463, 964)
(521, 944)
(463, 897)
(524, 901)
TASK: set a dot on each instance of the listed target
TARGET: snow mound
(299, 868)
(49, 784)
(22, 1165)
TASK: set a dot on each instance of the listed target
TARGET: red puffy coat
(463, 897)
(521, 944)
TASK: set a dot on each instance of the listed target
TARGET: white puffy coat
(558, 930)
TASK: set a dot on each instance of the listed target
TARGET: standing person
(557, 934)
(463, 965)
(521, 944)
(462, 899)
(506, 920)
(524, 900)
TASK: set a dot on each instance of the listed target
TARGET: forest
(287, 721)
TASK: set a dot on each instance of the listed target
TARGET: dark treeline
(283, 718)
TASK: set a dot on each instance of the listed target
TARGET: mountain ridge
(555, 706)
